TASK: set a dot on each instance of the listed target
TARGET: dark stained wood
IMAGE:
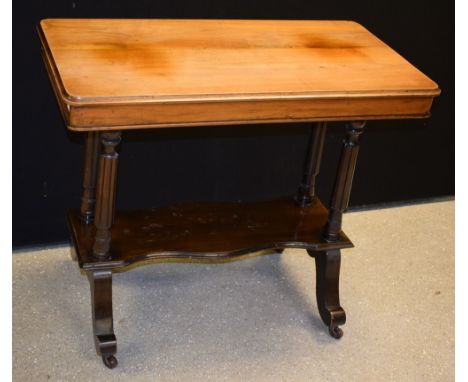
(206, 230)
(100, 282)
(327, 266)
(306, 191)
(344, 180)
(105, 195)
(88, 200)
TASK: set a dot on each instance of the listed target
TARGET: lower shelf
(205, 230)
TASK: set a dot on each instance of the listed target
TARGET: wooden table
(114, 75)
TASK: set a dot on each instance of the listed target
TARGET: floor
(255, 319)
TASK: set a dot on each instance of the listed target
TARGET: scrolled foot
(101, 306)
(327, 290)
(110, 361)
(335, 332)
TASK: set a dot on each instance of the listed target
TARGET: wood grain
(207, 230)
(157, 73)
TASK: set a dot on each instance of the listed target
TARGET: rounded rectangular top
(129, 61)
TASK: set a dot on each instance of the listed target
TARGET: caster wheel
(335, 332)
(110, 361)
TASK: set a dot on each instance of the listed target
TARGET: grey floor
(256, 319)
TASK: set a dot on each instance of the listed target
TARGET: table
(113, 75)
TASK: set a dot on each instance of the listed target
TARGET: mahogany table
(114, 75)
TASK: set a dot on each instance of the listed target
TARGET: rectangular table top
(123, 73)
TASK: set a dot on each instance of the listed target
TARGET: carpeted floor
(254, 319)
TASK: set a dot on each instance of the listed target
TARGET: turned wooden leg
(343, 181)
(327, 267)
(88, 199)
(105, 194)
(306, 191)
(101, 305)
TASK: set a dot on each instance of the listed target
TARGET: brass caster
(110, 361)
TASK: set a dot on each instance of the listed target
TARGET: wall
(399, 160)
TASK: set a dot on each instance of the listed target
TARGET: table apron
(152, 115)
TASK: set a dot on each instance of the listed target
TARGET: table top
(131, 68)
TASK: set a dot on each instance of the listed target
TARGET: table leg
(344, 180)
(327, 267)
(105, 194)
(88, 199)
(327, 263)
(101, 306)
(306, 191)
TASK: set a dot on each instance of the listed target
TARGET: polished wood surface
(112, 75)
(344, 180)
(155, 73)
(100, 282)
(306, 190)
(90, 169)
(327, 290)
(105, 193)
(206, 230)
